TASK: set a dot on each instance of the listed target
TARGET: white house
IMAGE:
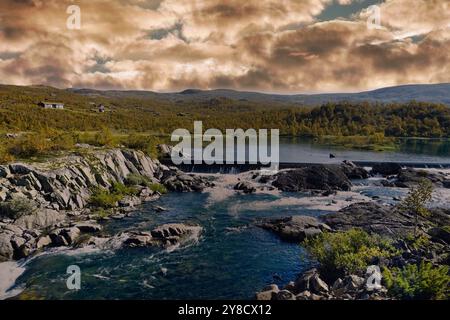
(51, 105)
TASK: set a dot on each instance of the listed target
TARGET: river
(232, 260)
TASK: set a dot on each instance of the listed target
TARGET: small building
(51, 105)
(101, 108)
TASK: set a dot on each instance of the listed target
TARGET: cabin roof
(51, 102)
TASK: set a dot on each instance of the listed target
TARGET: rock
(372, 218)
(305, 295)
(267, 294)
(352, 171)
(70, 234)
(6, 248)
(440, 234)
(353, 283)
(43, 242)
(408, 178)
(88, 227)
(294, 229)
(246, 186)
(20, 168)
(284, 295)
(318, 285)
(41, 219)
(4, 172)
(315, 177)
(386, 168)
(172, 234)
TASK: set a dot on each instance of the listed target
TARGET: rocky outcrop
(372, 218)
(59, 191)
(176, 180)
(294, 229)
(310, 286)
(407, 178)
(168, 235)
(386, 169)
(315, 177)
(245, 186)
(65, 184)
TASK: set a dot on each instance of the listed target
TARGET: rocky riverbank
(56, 197)
(374, 219)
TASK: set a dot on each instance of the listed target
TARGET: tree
(416, 201)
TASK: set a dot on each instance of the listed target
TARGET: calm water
(224, 264)
(410, 150)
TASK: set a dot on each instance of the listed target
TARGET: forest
(133, 119)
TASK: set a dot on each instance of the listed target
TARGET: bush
(423, 282)
(157, 187)
(123, 190)
(5, 156)
(347, 252)
(104, 138)
(138, 180)
(102, 198)
(30, 145)
(16, 208)
(106, 199)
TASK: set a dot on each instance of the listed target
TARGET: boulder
(408, 178)
(295, 228)
(88, 227)
(6, 248)
(268, 293)
(440, 235)
(311, 281)
(352, 171)
(386, 168)
(315, 177)
(43, 242)
(4, 172)
(245, 186)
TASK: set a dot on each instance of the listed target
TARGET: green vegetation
(107, 199)
(416, 201)
(16, 208)
(375, 142)
(347, 252)
(141, 121)
(157, 187)
(418, 282)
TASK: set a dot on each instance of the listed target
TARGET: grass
(107, 199)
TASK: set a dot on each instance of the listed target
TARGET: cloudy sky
(290, 46)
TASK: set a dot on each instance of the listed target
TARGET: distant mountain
(435, 93)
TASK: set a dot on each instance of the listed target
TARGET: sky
(285, 46)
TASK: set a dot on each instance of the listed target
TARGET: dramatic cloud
(269, 45)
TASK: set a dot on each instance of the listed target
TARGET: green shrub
(5, 156)
(138, 180)
(106, 199)
(104, 138)
(421, 282)
(123, 190)
(157, 187)
(102, 198)
(347, 252)
(17, 207)
(30, 145)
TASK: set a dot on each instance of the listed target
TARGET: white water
(9, 272)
